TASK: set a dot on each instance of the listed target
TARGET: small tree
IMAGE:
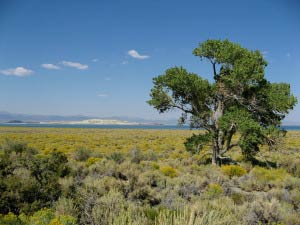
(239, 100)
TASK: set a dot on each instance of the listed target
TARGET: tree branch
(229, 146)
(182, 108)
(215, 72)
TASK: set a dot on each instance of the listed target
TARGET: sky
(98, 58)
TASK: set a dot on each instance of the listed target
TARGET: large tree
(238, 101)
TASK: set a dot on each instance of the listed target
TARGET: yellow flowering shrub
(233, 170)
(169, 171)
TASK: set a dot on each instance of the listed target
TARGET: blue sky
(98, 58)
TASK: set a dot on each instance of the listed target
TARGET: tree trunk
(216, 150)
(218, 134)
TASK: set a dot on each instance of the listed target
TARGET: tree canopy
(240, 100)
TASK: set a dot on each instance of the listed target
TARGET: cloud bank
(76, 65)
(50, 66)
(18, 72)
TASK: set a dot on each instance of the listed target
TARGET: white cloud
(95, 60)
(107, 78)
(18, 72)
(134, 54)
(124, 62)
(288, 54)
(102, 95)
(76, 65)
(50, 66)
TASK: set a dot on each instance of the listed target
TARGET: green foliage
(264, 212)
(29, 182)
(92, 160)
(82, 154)
(268, 175)
(10, 146)
(42, 217)
(265, 179)
(214, 190)
(240, 100)
(155, 166)
(185, 88)
(195, 143)
(12, 219)
(136, 155)
(118, 157)
(169, 171)
(233, 170)
(238, 198)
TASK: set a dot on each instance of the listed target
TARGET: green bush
(154, 166)
(136, 155)
(30, 182)
(233, 170)
(214, 191)
(12, 219)
(82, 154)
(92, 160)
(263, 212)
(238, 198)
(169, 171)
(42, 217)
(262, 179)
(118, 157)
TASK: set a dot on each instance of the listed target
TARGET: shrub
(118, 157)
(42, 217)
(144, 195)
(66, 206)
(263, 212)
(295, 197)
(30, 182)
(238, 198)
(15, 146)
(214, 191)
(136, 155)
(151, 213)
(82, 154)
(150, 155)
(67, 220)
(233, 170)
(154, 166)
(188, 186)
(12, 219)
(169, 171)
(107, 207)
(291, 164)
(92, 161)
(153, 179)
(47, 217)
(264, 179)
(55, 221)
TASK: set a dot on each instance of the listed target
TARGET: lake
(155, 127)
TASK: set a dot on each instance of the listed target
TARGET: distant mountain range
(10, 117)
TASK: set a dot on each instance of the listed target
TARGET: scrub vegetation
(109, 176)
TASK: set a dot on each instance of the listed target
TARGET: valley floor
(118, 176)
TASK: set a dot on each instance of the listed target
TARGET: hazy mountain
(6, 116)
